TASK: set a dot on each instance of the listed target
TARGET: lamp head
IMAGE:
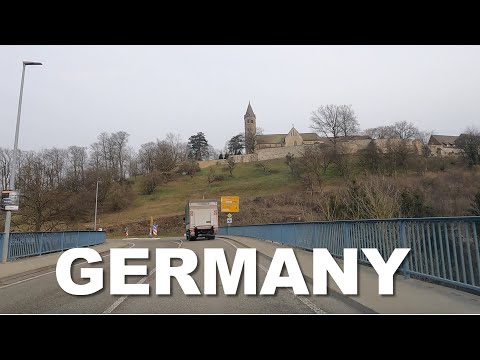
(31, 63)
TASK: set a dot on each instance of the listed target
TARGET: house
(293, 138)
(443, 145)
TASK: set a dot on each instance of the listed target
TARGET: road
(40, 292)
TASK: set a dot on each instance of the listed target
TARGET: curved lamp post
(8, 216)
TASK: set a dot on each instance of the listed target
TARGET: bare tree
(165, 156)
(146, 157)
(372, 158)
(397, 155)
(95, 158)
(231, 165)
(469, 142)
(381, 132)
(189, 167)
(77, 157)
(264, 166)
(374, 198)
(212, 176)
(42, 202)
(5, 164)
(405, 130)
(326, 121)
(133, 163)
(179, 148)
(213, 153)
(119, 142)
(104, 145)
(55, 165)
(315, 163)
(250, 143)
(424, 137)
(348, 121)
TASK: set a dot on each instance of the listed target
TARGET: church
(292, 138)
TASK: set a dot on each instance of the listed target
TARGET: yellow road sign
(229, 203)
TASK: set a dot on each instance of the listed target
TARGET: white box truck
(201, 219)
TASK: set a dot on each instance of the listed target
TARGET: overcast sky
(148, 91)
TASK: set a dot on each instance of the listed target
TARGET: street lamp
(8, 216)
(96, 202)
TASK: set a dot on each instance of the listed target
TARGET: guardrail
(38, 243)
(442, 249)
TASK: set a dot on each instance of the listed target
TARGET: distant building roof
(270, 139)
(310, 137)
(445, 140)
(280, 138)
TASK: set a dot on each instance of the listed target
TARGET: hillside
(167, 203)
(449, 188)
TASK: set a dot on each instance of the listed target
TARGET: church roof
(249, 110)
(280, 138)
(310, 137)
(270, 139)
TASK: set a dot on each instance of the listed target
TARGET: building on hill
(443, 145)
(254, 142)
(259, 147)
(293, 138)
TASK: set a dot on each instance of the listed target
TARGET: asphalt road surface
(40, 292)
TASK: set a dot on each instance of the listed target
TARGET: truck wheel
(212, 237)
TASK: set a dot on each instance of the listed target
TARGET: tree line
(58, 186)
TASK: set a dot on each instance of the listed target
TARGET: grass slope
(249, 181)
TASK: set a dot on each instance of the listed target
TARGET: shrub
(475, 207)
(119, 196)
(413, 204)
(189, 167)
(149, 183)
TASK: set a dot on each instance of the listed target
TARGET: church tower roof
(249, 110)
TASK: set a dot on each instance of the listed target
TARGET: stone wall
(350, 147)
(245, 158)
(206, 163)
(276, 153)
(414, 144)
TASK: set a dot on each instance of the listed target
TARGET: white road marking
(303, 299)
(48, 273)
(310, 304)
(123, 298)
(141, 281)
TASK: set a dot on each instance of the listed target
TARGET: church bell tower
(250, 129)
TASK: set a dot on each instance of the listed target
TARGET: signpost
(229, 204)
(10, 200)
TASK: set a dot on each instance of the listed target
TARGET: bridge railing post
(346, 234)
(403, 244)
(40, 245)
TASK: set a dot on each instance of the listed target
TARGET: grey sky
(149, 91)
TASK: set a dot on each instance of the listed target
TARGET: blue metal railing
(38, 243)
(442, 249)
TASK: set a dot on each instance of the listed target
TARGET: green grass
(248, 181)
